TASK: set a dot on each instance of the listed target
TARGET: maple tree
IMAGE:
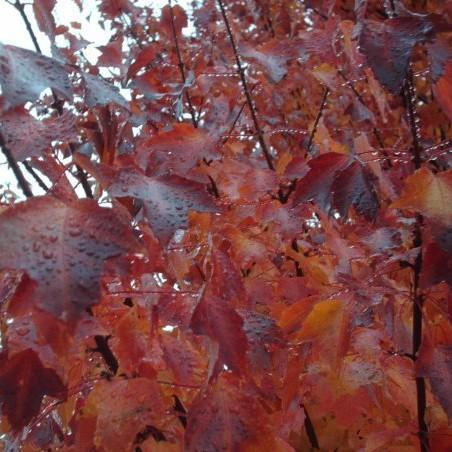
(242, 240)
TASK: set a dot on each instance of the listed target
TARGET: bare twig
(20, 8)
(417, 295)
(310, 431)
(182, 67)
(317, 119)
(234, 123)
(131, 31)
(83, 178)
(23, 184)
(249, 100)
(374, 130)
(363, 103)
(35, 176)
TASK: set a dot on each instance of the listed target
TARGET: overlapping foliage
(264, 258)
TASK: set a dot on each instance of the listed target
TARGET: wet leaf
(388, 45)
(27, 136)
(62, 247)
(24, 381)
(429, 194)
(214, 317)
(435, 363)
(24, 75)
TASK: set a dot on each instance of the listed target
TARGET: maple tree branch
(35, 176)
(409, 95)
(317, 119)
(103, 348)
(374, 129)
(20, 8)
(361, 100)
(249, 99)
(236, 119)
(22, 182)
(310, 431)
(418, 298)
(181, 66)
(131, 30)
(81, 175)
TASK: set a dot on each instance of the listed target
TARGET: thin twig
(131, 31)
(20, 8)
(310, 431)
(363, 103)
(234, 123)
(249, 100)
(374, 130)
(23, 184)
(317, 119)
(314, 10)
(182, 67)
(417, 295)
(35, 176)
(81, 175)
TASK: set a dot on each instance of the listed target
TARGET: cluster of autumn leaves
(261, 257)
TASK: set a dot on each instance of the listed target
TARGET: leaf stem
(182, 66)
(310, 431)
(23, 184)
(249, 100)
(236, 119)
(83, 178)
(317, 119)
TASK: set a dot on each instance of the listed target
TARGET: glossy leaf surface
(63, 248)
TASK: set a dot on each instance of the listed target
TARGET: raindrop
(75, 232)
(22, 331)
(48, 254)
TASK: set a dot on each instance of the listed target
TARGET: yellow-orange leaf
(324, 319)
(429, 194)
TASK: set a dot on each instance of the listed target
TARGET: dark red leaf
(24, 381)
(56, 172)
(144, 57)
(353, 187)
(177, 151)
(334, 182)
(440, 56)
(274, 55)
(44, 18)
(435, 363)
(99, 92)
(225, 281)
(263, 335)
(167, 200)
(62, 247)
(25, 74)
(114, 8)
(25, 136)
(316, 185)
(111, 53)
(214, 317)
(437, 265)
(229, 416)
(388, 46)
(179, 17)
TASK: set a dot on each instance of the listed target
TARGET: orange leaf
(429, 194)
